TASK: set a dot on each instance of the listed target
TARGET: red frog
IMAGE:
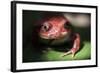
(54, 28)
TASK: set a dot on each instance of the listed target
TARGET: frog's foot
(75, 46)
(72, 51)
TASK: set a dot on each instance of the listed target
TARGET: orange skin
(53, 28)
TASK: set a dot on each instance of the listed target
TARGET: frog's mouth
(62, 35)
(57, 41)
(44, 37)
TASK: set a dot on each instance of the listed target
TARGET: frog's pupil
(45, 28)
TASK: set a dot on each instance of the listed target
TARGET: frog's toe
(69, 52)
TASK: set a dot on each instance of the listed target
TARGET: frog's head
(54, 28)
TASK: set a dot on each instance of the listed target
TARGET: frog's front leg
(75, 46)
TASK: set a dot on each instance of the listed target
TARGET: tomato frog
(58, 28)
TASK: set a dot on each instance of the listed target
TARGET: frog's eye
(46, 26)
(67, 25)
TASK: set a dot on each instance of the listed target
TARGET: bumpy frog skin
(54, 28)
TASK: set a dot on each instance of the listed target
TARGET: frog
(57, 28)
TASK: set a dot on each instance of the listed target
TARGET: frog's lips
(53, 37)
(44, 37)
